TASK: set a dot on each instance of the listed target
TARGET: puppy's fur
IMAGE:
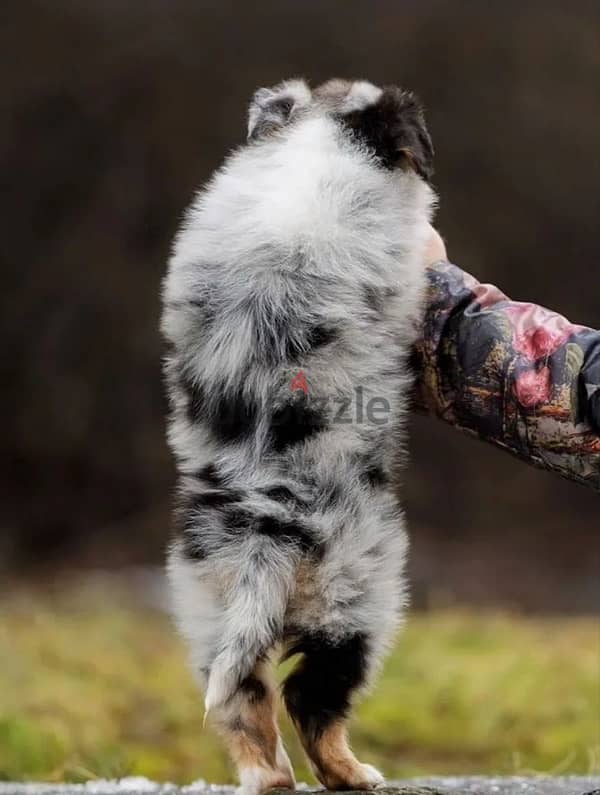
(294, 290)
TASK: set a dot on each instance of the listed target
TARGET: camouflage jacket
(512, 373)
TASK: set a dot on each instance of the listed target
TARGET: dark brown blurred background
(113, 111)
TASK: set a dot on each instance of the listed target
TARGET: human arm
(515, 374)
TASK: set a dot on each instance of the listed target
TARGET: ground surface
(571, 785)
(94, 684)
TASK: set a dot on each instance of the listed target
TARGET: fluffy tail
(253, 620)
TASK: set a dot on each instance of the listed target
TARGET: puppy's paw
(257, 780)
(372, 777)
(351, 775)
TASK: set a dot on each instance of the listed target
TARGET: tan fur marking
(249, 729)
(335, 765)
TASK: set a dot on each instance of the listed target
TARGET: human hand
(435, 250)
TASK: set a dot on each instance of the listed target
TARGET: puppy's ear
(272, 108)
(393, 127)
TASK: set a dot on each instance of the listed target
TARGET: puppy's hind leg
(318, 697)
(229, 642)
(248, 725)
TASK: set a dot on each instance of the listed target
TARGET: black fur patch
(371, 471)
(209, 474)
(283, 494)
(287, 531)
(230, 415)
(238, 521)
(393, 128)
(319, 690)
(253, 689)
(375, 475)
(295, 422)
(234, 416)
(319, 336)
(217, 498)
(279, 493)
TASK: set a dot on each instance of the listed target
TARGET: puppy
(292, 298)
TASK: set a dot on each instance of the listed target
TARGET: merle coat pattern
(298, 265)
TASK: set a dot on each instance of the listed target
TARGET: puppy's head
(388, 121)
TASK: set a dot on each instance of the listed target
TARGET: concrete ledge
(514, 785)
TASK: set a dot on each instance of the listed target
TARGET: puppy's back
(292, 295)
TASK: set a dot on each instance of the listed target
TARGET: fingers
(435, 250)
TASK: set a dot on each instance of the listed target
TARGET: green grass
(98, 687)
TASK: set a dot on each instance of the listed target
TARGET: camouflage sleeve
(512, 373)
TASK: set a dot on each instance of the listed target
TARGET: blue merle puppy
(291, 302)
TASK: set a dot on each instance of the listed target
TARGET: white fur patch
(361, 95)
(256, 780)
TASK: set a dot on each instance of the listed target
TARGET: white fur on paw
(256, 780)
(372, 776)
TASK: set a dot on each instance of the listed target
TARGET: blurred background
(113, 113)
